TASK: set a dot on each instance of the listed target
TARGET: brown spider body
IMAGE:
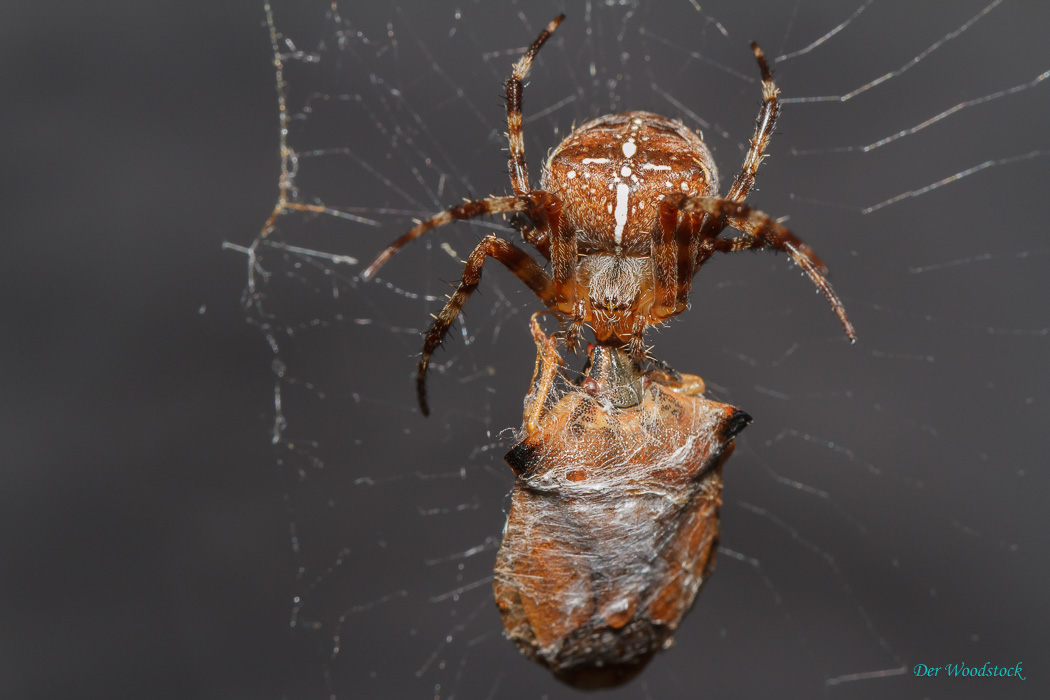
(626, 215)
(612, 173)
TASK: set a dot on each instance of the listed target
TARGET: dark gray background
(148, 523)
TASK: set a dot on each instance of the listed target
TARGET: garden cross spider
(626, 213)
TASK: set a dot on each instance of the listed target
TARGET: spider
(626, 214)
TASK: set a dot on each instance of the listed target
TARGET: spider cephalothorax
(627, 212)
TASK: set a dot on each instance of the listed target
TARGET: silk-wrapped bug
(613, 521)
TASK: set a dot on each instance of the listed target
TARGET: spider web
(883, 510)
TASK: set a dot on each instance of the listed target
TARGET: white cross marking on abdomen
(622, 191)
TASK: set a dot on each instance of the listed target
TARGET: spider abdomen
(612, 172)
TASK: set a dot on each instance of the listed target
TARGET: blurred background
(210, 492)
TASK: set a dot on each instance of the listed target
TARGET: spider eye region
(613, 172)
(615, 281)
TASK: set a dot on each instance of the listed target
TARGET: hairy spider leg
(539, 205)
(672, 256)
(761, 230)
(764, 125)
(563, 251)
(519, 171)
(766, 233)
(517, 261)
(543, 228)
(468, 210)
(694, 246)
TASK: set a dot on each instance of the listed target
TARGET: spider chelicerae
(626, 213)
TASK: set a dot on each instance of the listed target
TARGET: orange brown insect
(613, 521)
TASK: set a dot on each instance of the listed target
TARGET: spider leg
(532, 234)
(680, 243)
(671, 251)
(467, 210)
(519, 172)
(636, 348)
(732, 245)
(694, 235)
(564, 250)
(764, 125)
(760, 226)
(767, 232)
(574, 336)
(562, 244)
(517, 261)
